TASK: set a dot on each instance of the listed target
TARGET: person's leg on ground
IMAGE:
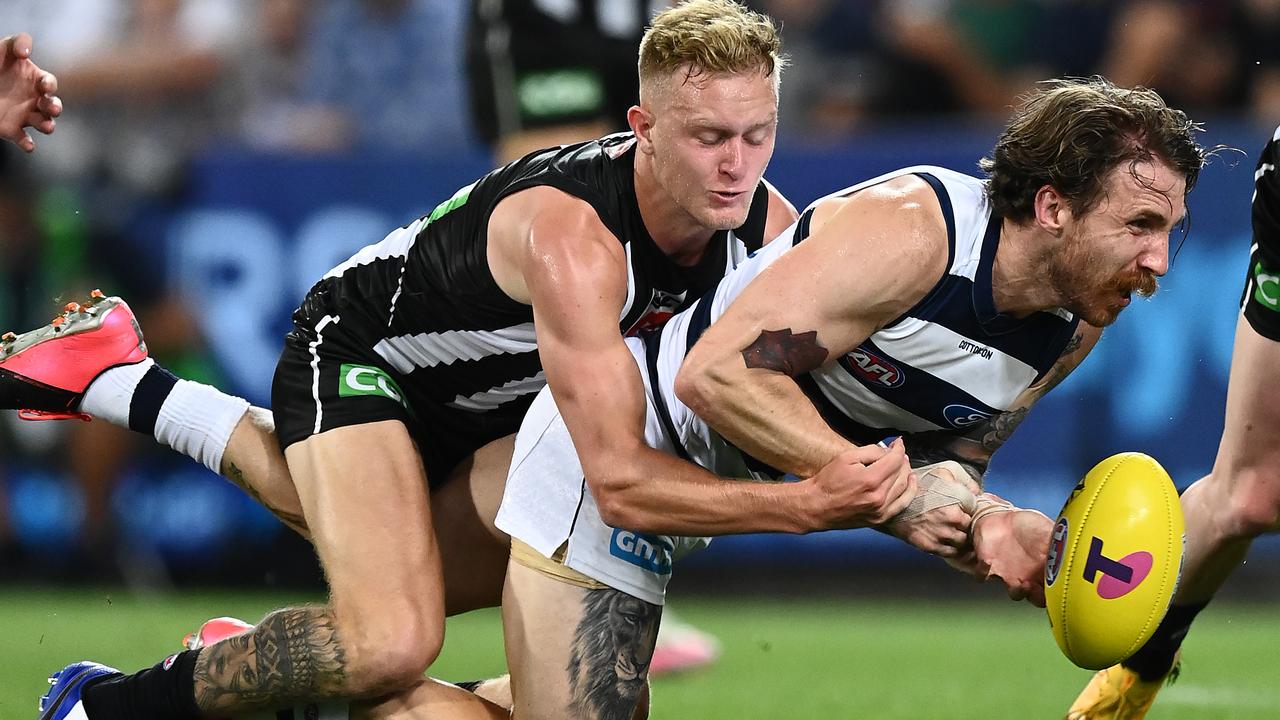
(473, 551)
(364, 491)
(576, 651)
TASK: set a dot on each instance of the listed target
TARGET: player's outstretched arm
(1009, 543)
(27, 93)
(576, 278)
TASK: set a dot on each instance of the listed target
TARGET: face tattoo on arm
(612, 648)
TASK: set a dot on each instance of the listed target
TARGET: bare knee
(389, 653)
(1256, 506)
(1252, 505)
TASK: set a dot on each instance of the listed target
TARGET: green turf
(782, 659)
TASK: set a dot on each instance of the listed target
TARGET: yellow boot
(1117, 693)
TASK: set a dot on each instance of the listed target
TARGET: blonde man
(411, 356)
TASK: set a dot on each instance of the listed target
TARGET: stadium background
(220, 155)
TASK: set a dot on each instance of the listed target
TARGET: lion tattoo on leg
(612, 647)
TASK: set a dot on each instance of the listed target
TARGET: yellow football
(1114, 560)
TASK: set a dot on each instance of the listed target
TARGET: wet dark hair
(1071, 133)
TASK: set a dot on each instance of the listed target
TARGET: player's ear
(641, 122)
(1051, 209)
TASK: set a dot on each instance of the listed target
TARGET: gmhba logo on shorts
(367, 380)
(644, 551)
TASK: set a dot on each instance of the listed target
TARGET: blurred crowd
(871, 60)
(151, 85)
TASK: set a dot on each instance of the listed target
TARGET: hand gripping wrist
(990, 504)
(937, 487)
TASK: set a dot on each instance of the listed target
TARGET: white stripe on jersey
(391, 312)
(984, 372)
(1263, 169)
(314, 346)
(490, 399)
(736, 254)
(409, 352)
(396, 244)
(857, 402)
(631, 284)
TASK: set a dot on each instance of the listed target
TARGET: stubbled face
(1121, 246)
(711, 139)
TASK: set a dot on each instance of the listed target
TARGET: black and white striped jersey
(425, 303)
(949, 362)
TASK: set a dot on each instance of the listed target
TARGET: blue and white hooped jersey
(948, 363)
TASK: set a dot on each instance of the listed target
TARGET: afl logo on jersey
(962, 416)
(873, 368)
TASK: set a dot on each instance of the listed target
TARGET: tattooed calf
(292, 655)
(611, 651)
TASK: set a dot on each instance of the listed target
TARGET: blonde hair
(710, 36)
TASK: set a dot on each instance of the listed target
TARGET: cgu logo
(367, 380)
(1268, 290)
(644, 551)
(873, 369)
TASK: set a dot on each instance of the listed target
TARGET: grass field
(873, 659)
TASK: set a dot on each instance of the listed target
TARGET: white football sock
(192, 418)
(197, 420)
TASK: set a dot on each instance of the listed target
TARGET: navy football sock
(1154, 660)
(164, 692)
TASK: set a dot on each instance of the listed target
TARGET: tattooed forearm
(785, 352)
(293, 520)
(612, 647)
(973, 450)
(293, 654)
(1061, 369)
(980, 441)
(997, 430)
(1072, 345)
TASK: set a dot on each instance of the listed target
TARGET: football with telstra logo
(1114, 560)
